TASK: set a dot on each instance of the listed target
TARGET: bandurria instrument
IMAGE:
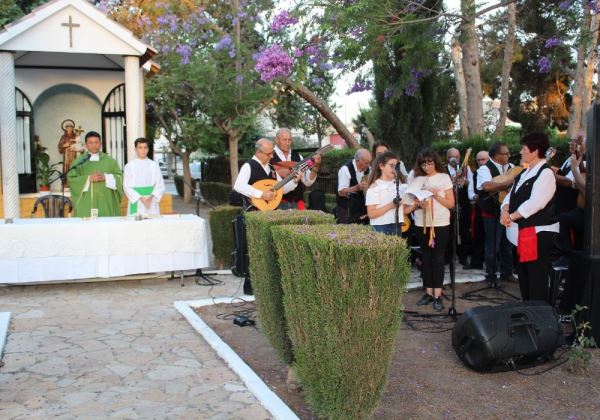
(276, 186)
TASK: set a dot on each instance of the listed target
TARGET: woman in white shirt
(432, 220)
(381, 192)
(529, 215)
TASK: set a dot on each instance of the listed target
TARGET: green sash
(143, 191)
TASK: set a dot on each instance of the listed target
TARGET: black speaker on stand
(509, 336)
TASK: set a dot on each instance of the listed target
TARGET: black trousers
(433, 263)
(533, 276)
(478, 237)
(464, 226)
(572, 219)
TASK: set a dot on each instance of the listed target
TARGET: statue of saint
(70, 144)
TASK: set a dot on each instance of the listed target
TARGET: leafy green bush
(221, 230)
(342, 294)
(215, 192)
(332, 161)
(512, 137)
(265, 273)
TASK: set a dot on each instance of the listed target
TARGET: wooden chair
(53, 205)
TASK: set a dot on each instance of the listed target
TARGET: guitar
(276, 186)
(513, 172)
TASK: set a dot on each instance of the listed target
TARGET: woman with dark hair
(432, 220)
(529, 215)
(380, 147)
(381, 192)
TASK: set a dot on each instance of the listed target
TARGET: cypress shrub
(342, 291)
(215, 192)
(265, 273)
(221, 230)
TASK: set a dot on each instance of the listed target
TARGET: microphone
(81, 162)
(453, 161)
(397, 167)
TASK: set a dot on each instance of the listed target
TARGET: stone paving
(115, 349)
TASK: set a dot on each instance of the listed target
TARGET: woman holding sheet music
(430, 196)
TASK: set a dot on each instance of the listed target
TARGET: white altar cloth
(37, 250)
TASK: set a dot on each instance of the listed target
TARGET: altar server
(143, 183)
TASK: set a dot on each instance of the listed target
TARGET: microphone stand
(397, 202)
(199, 275)
(452, 266)
(474, 294)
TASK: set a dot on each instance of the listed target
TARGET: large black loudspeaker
(491, 338)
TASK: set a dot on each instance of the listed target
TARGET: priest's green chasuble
(87, 195)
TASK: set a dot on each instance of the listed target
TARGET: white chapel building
(67, 60)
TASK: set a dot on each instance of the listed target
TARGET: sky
(350, 105)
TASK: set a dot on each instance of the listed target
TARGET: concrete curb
(261, 391)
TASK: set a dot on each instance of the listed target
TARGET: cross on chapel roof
(96, 33)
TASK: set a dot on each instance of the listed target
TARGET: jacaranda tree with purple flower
(207, 89)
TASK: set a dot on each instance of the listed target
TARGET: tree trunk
(470, 60)
(461, 90)
(579, 80)
(187, 177)
(234, 140)
(592, 63)
(370, 136)
(325, 111)
(319, 134)
(506, 66)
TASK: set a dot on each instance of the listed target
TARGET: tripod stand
(473, 294)
(200, 278)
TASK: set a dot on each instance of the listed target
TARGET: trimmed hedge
(221, 230)
(215, 192)
(265, 273)
(342, 288)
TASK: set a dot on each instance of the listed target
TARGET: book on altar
(420, 194)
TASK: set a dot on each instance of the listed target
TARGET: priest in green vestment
(96, 181)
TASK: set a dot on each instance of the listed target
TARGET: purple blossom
(272, 63)
(282, 20)
(552, 42)
(418, 74)
(360, 85)
(239, 78)
(388, 93)
(544, 65)
(231, 53)
(411, 88)
(356, 33)
(564, 5)
(318, 81)
(224, 43)
(184, 52)
(298, 52)
(326, 66)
